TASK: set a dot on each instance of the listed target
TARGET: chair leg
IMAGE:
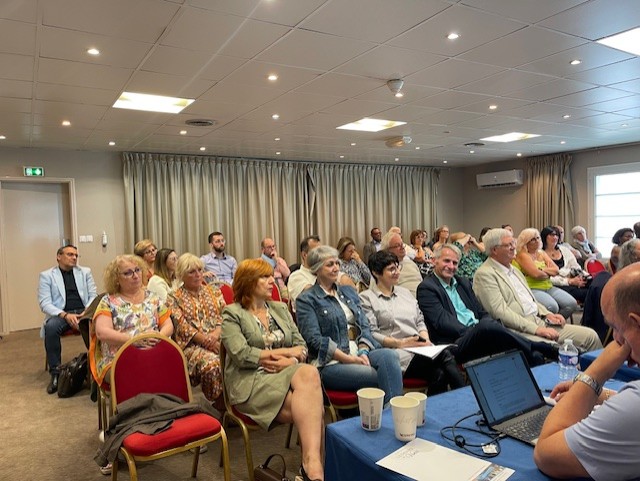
(133, 472)
(287, 443)
(114, 470)
(224, 427)
(247, 450)
(194, 464)
(224, 455)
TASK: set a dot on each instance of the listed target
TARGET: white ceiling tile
(175, 61)
(387, 62)
(170, 85)
(16, 89)
(21, 10)
(618, 104)
(256, 73)
(474, 27)
(16, 67)
(343, 85)
(74, 94)
(283, 12)
(253, 126)
(596, 19)
(407, 113)
(72, 45)
(630, 86)
(129, 128)
(80, 115)
(17, 37)
(202, 30)
(610, 74)
(524, 10)
(358, 108)
(592, 96)
(523, 46)
(485, 122)
(504, 83)
(337, 18)
(82, 74)
(503, 105)
(551, 90)
(252, 38)
(451, 100)
(127, 115)
(143, 20)
(448, 117)
(411, 94)
(602, 120)
(218, 111)
(15, 105)
(241, 8)
(328, 51)
(452, 73)
(230, 92)
(219, 67)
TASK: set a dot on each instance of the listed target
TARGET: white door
(35, 222)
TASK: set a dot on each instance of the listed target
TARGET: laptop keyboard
(528, 428)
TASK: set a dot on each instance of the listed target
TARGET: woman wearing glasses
(196, 309)
(127, 309)
(538, 269)
(146, 250)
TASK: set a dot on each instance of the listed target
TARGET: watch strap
(589, 381)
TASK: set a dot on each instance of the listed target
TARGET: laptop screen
(504, 386)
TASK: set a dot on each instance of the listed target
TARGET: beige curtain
(549, 193)
(177, 200)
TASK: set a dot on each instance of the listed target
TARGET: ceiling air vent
(474, 144)
(200, 122)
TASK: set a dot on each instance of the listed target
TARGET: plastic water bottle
(568, 360)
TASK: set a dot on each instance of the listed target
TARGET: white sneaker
(106, 470)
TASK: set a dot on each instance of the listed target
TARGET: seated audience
(410, 276)
(217, 264)
(350, 263)
(64, 294)
(164, 279)
(455, 316)
(612, 265)
(570, 278)
(580, 242)
(281, 271)
(409, 250)
(196, 310)
(622, 235)
(440, 237)
(562, 243)
(580, 441)
(538, 269)
(265, 375)
(147, 250)
(472, 253)
(127, 309)
(325, 312)
(373, 246)
(504, 294)
(397, 322)
(507, 227)
(636, 229)
(424, 255)
(481, 236)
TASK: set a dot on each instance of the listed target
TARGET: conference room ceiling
(333, 59)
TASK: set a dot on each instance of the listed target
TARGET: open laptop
(508, 395)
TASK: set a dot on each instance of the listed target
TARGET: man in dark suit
(373, 246)
(64, 293)
(454, 315)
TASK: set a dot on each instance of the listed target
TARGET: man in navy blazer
(64, 292)
(454, 315)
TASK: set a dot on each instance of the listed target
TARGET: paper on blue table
(426, 461)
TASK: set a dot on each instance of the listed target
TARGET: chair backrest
(594, 266)
(275, 293)
(140, 367)
(227, 292)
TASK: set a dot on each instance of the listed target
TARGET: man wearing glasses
(63, 294)
(410, 276)
(504, 294)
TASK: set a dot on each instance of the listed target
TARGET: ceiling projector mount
(399, 141)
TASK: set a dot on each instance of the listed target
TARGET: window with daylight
(615, 201)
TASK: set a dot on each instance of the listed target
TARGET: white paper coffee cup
(422, 408)
(405, 413)
(370, 400)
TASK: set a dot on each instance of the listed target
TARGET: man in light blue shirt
(217, 262)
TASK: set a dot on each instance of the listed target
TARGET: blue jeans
(53, 329)
(556, 300)
(384, 372)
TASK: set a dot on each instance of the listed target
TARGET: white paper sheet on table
(428, 351)
(426, 461)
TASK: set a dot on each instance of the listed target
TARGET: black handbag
(72, 376)
(264, 473)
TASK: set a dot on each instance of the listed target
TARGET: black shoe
(548, 350)
(304, 475)
(53, 385)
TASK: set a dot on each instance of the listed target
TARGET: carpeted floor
(43, 437)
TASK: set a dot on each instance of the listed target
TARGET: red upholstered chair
(414, 385)
(161, 368)
(336, 401)
(594, 266)
(275, 293)
(227, 292)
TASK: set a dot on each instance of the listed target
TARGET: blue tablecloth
(352, 453)
(624, 373)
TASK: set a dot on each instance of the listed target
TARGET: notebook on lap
(508, 395)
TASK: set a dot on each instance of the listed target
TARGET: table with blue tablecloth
(352, 453)
(624, 372)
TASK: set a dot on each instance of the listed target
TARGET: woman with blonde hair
(538, 269)
(196, 310)
(164, 279)
(147, 250)
(266, 376)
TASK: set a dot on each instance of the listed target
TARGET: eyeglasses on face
(128, 274)
(150, 250)
(536, 238)
(510, 245)
(396, 246)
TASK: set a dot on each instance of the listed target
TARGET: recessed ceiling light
(273, 77)
(510, 137)
(202, 149)
(183, 132)
(519, 154)
(472, 151)
(277, 153)
(397, 159)
(66, 123)
(371, 125)
(563, 142)
(453, 36)
(628, 41)
(342, 156)
(2, 137)
(112, 143)
(566, 116)
(275, 116)
(575, 62)
(93, 51)
(417, 148)
(276, 139)
(399, 95)
(353, 144)
(493, 107)
(151, 103)
(445, 161)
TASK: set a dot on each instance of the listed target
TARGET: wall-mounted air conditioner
(505, 178)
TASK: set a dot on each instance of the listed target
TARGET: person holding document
(454, 315)
(397, 322)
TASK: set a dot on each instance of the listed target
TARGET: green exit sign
(33, 171)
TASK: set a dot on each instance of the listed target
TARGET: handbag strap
(284, 464)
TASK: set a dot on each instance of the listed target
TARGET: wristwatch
(589, 381)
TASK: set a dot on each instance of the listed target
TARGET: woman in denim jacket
(325, 314)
